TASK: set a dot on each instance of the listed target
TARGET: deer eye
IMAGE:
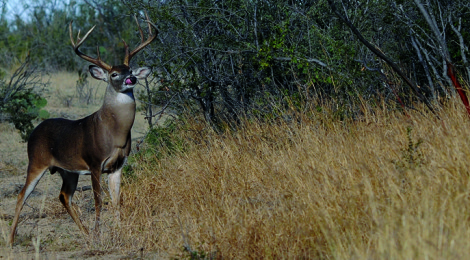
(114, 75)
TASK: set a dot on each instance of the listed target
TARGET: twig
(381, 55)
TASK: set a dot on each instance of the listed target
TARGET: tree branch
(382, 56)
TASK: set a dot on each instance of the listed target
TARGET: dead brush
(306, 190)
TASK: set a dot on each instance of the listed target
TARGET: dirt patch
(46, 230)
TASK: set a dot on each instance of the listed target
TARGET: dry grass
(317, 189)
(62, 98)
(59, 235)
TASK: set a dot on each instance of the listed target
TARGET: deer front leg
(114, 184)
(32, 179)
(69, 185)
(95, 183)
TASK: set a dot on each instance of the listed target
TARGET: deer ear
(98, 73)
(142, 73)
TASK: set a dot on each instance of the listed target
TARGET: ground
(43, 216)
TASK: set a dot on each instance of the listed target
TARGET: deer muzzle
(131, 80)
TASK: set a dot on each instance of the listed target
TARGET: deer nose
(131, 80)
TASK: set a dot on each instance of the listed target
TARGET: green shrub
(20, 102)
(22, 109)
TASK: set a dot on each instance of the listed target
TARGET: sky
(17, 7)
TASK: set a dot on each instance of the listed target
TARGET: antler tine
(147, 17)
(96, 61)
(70, 33)
(143, 43)
(140, 28)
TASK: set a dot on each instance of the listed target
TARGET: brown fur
(97, 144)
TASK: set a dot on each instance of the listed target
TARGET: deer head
(96, 144)
(121, 77)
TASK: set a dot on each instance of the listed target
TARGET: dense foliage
(235, 59)
(45, 36)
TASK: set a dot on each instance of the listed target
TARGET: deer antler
(96, 61)
(143, 43)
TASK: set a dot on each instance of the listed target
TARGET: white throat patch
(125, 97)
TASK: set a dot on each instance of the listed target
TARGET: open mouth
(130, 81)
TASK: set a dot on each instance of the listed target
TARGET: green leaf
(44, 114)
(40, 102)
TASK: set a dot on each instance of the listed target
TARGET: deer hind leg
(114, 184)
(69, 185)
(95, 183)
(33, 176)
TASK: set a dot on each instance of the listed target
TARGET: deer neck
(118, 111)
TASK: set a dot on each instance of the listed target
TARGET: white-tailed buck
(96, 144)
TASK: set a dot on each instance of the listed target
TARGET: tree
(234, 59)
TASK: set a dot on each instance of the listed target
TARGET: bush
(20, 104)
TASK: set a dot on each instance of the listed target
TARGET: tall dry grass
(385, 187)
(389, 187)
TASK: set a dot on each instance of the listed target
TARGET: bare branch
(382, 56)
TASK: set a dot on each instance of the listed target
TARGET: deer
(97, 144)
